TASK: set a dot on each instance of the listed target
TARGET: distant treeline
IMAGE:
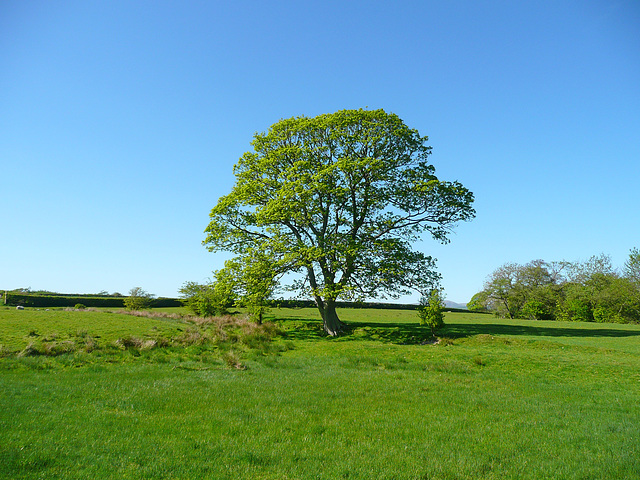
(591, 291)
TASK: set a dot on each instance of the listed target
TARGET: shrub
(535, 310)
(430, 311)
(138, 299)
(79, 306)
(205, 300)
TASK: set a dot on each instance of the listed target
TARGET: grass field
(494, 399)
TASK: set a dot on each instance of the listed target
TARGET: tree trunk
(330, 321)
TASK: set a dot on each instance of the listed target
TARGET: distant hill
(450, 304)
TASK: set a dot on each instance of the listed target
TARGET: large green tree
(340, 199)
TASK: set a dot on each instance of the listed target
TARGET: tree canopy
(340, 199)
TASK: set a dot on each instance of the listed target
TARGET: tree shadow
(461, 330)
(311, 329)
(398, 333)
(413, 334)
(300, 328)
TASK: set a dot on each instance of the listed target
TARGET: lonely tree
(339, 199)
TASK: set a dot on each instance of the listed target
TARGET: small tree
(479, 302)
(205, 300)
(430, 311)
(138, 299)
(502, 292)
(252, 279)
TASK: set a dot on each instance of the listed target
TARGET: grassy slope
(502, 399)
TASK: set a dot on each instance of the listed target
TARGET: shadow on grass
(460, 330)
(311, 329)
(412, 334)
(301, 328)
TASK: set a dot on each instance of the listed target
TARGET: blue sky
(120, 123)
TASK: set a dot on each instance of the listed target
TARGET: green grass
(494, 399)
(19, 328)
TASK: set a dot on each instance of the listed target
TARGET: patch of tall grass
(88, 335)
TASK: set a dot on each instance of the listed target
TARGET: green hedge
(162, 302)
(47, 301)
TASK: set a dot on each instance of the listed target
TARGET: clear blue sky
(120, 122)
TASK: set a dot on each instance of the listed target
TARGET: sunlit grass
(494, 399)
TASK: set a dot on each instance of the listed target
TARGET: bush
(430, 311)
(138, 299)
(574, 309)
(205, 300)
(79, 306)
(536, 310)
(478, 303)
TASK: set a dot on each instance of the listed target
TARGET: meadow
(110, 395)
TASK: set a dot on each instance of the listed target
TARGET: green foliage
(533, 309)
(580, 291)
(47, 301)
(478, 303)
(138, 299)
(251, 280)
(50, 299)
(79, 306)
(540, 303)
(632, 267)
(430, 311)
(163, 302)
(206, 300)
(613, 299)
(337, 199)
(576, 304)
